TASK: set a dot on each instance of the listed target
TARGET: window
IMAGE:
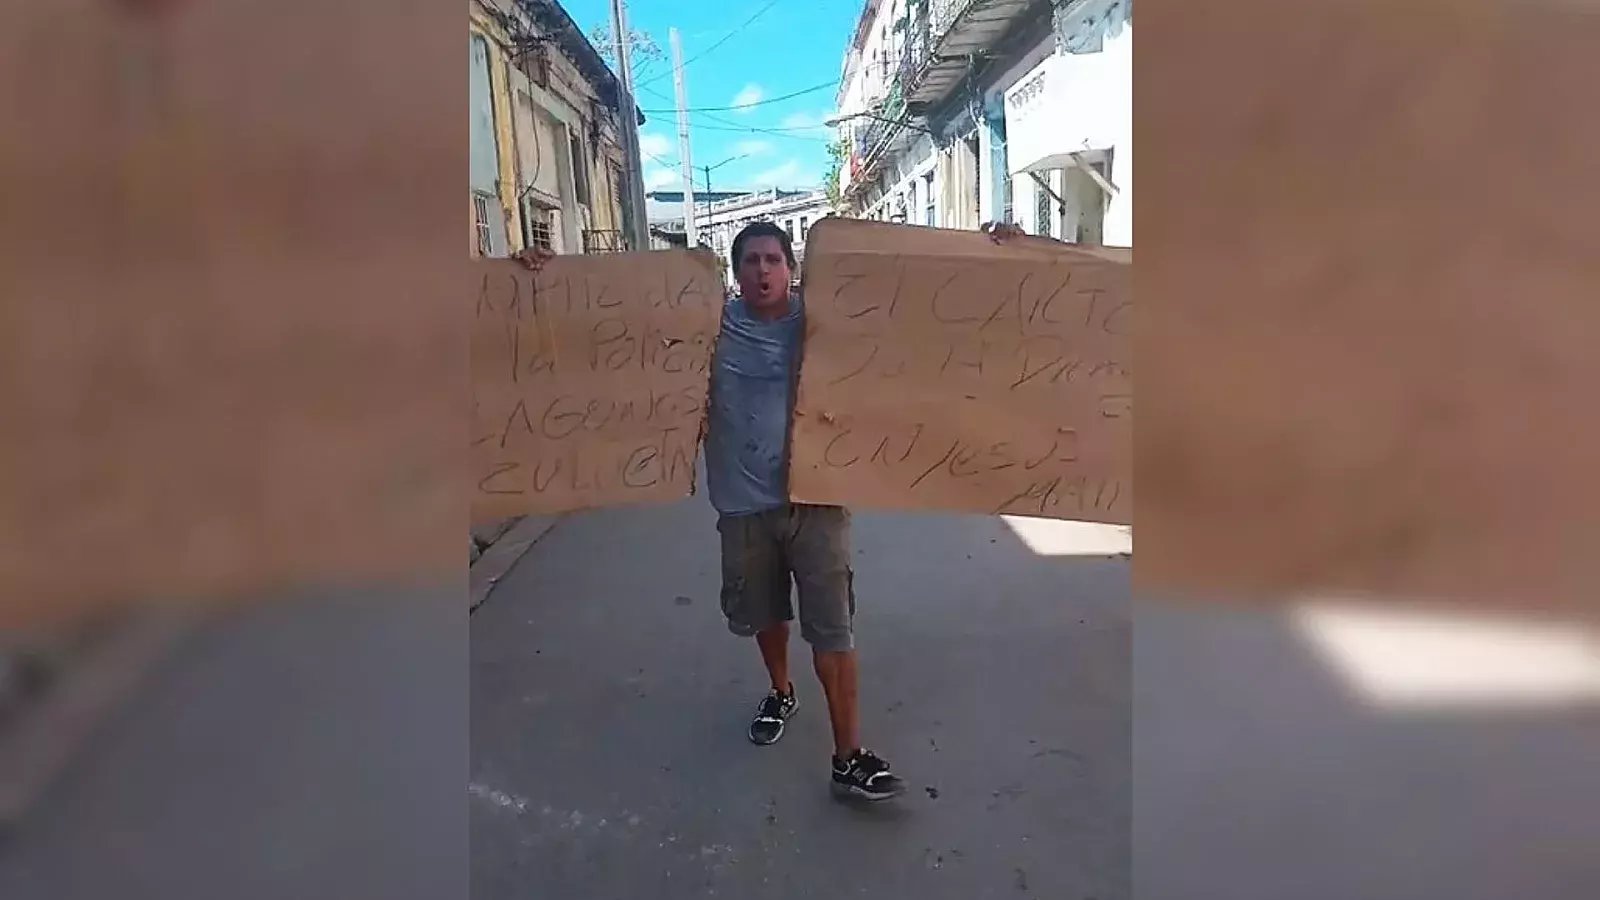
(1043, 213)
(621, 203)
(485, 154)
(970, 144)
(538, 230)
(1008, 211)
(803, 227)
(928, 211)
(788, 225)
(480, 223)
(580, 169)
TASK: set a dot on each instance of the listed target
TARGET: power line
(718, 43)
(735, 126)
(772, 131)
(810, 90)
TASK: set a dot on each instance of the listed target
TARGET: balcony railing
(603, 241)
(955, 31)
(919, 39)
(872, 133)
(938, 38)
(942, 14)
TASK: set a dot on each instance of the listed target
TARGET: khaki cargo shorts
(762, 553)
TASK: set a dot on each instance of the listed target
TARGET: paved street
(609, 705)
(315, 750)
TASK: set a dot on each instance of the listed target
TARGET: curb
(499, 558)
(484, 537)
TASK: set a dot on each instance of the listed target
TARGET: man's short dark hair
(761, 229)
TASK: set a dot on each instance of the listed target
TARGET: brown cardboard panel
(589, 380)
(945, 372)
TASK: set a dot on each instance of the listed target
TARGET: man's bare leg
(779, 705)
(774, 644)
(856, 771)
(837, 672)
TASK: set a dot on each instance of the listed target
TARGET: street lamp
(708, 170)
(836, 121)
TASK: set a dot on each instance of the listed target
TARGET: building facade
(664, 211)
(1066, 128)
(793, 211)
(721, 217)
(548, 167)
(895, 168)
(959, 112)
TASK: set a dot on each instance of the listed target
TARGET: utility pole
(638, 236)
(689, 231)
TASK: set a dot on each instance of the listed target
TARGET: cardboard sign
(945, 372)
(589, 380)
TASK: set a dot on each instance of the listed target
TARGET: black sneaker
(867, 776)
(774, 710)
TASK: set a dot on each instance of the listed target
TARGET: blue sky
(789, 47)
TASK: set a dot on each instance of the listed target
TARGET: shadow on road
(1330, 753)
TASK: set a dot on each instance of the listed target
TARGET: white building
(793, 211)
(664, 212)
(720, 220)
(959, 112)
(895, 168)
(1068, 127)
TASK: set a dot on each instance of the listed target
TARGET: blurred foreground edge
(232, 360)
(1358, 373)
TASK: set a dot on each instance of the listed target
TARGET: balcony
(870, 140)
(871, 134)
(944, 34)
(601, 240)
(937, 39)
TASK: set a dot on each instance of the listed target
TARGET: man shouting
(775, 551)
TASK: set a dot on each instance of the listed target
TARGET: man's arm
(999, 232)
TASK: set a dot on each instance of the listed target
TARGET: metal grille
(480, 223)
(602, 241)
(540, 234)
(1043, 213)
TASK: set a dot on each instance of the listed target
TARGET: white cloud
(655, 145)
(790, 173)
(748, 96)
(656, 177)
(801, 120)
(753, 147)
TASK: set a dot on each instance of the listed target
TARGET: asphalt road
(609, 705)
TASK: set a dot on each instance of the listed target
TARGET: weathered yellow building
(548, 165)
